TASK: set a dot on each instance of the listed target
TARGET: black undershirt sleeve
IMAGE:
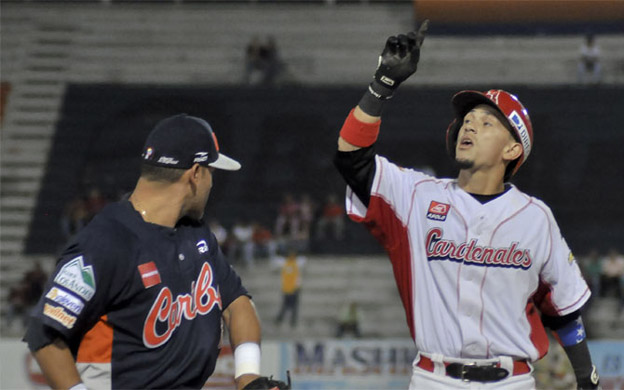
(581, 362)
(358, 170)
(555, 323)
(578, 354)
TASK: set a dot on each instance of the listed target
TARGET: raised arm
(397, 62)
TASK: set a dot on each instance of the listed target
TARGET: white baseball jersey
(470, 275)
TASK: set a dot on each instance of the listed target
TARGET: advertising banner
(320, 364)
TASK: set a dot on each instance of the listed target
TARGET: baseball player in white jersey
(481, 267)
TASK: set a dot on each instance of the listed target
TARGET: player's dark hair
(162, 174)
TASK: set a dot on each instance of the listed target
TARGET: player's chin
(463, 163)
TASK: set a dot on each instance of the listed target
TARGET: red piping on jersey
(549, 230)
(485, 275)
(453, 208)
(507, 219)
(383, 223)
(487, 341)
(97, 344)
(575, 302)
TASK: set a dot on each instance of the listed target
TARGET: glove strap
(359, 133)
(375, 98)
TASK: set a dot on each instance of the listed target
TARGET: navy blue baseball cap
(183, 140)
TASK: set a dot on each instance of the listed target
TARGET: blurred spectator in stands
(591, 266)
(271, 57)
(17, 306)
(291, 269)
(74, 217)
(23, 296)
(349, 320)
(589, 68)
(95, 202)
(612, 274)
(242, 245)
(264, 243)
(306, 214)
(219, 231)
(263, 65)
(332, 216)
(253, 62)
(35, 280)
(288, 219)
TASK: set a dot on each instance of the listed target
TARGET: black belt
(471, 372)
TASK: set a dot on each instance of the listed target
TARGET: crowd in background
(263, 65)
(604, 274)
(24, 295)
(299, 221)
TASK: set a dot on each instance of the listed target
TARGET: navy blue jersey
(139, 302)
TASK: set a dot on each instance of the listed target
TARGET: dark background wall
(285, 139)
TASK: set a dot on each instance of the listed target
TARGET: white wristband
(247, 359)
(79, 386)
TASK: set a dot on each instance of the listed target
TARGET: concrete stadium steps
(33, 63)
(605, 318)
(328, 282)
(46, 46)
(321, 45)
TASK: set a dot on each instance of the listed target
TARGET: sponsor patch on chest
(438, 211)
(149, 274)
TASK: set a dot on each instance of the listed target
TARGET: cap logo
(148, 153)
(523, 132)
(493, 96)
(168, 160)
(200, 157)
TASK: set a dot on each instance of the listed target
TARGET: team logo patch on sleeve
(149, 274)
(438, 211)
(76, 277)
(60, 315)
(65, 299)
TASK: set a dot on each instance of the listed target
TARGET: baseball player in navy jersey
(481, 267)
(139, 296)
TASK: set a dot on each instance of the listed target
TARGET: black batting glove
(397, 62)
(589, 383)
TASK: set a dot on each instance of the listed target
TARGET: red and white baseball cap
(183, 140)
(507, 104)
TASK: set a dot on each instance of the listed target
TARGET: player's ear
(194, 173)
(512, 151)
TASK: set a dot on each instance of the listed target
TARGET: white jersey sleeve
(565, 289)
(391, 199)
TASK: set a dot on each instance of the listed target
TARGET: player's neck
(480, 183)
(157, 204)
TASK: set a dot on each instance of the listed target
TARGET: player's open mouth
(465, 142)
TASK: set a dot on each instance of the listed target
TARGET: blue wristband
(572, 333)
